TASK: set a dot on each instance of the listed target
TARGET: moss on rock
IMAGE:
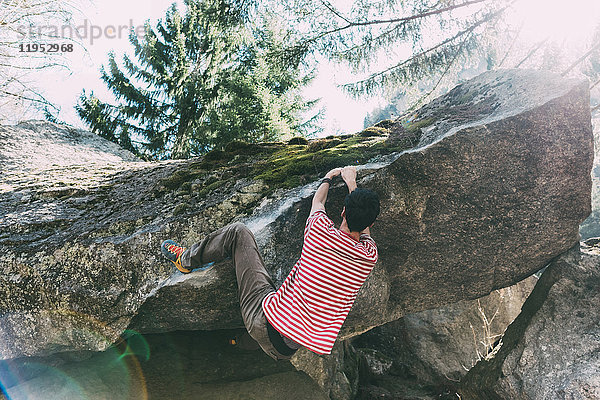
(298, 140)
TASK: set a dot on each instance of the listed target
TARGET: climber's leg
(254, 282)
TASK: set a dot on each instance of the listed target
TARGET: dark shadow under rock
(176, 365)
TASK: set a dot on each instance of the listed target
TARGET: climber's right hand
(349, 175)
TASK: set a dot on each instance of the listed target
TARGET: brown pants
(254, 282)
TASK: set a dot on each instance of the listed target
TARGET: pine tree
(440, 35)
(201, 80)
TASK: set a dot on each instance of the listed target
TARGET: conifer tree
(439, 35)
(200, 80)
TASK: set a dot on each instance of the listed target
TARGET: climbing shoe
(172, 251)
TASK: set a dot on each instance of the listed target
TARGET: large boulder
(552, 349)
(494, 185)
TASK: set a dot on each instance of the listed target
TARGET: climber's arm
(320, 197)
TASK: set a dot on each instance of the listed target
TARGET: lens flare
(115, 371)
(136, 345)
(49, 382)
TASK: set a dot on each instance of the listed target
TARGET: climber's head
(361, 208)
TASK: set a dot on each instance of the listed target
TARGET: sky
(556, 18)
(342, 113)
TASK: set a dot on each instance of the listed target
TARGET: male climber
(313, 302)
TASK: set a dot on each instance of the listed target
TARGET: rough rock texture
(337, 374)
(495, 187)
(438, 347)
(421, 355)
(552, 349)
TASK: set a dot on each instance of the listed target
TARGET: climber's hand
(333, 172)
(349, 176)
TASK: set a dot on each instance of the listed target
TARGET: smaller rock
(337, 373)
(552, 349)
(439, 346)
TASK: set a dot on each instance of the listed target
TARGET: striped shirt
(315, 298)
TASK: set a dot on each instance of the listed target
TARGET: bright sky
(343, 114)
(63, 87)
(559, 20)
(563, 21)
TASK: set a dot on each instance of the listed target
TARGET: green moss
(298, 140)
(386, 123)
(418, 125)
(175, 180)
(467, 97)
(211, 184)
(236, 145)
(374, 131)
(215, 185)
(186, 186)
(321, 144)
(180, 209)
(211, 179)
(182, 178)
(288, 167)
(278, 165)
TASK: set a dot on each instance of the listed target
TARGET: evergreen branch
(333, 10)
(462, 33)
(512, 44)
(394, 20)
(360, 52)
(19, 96)
(434, 88)
(580, 59)
(35, 68)
(533, 51)
(595, 108)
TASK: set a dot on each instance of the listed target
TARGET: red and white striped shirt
(315, 298)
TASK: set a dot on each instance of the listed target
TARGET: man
(313, 302)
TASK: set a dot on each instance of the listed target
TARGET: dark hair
(362, 208)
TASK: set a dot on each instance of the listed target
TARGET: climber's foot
(172, 251)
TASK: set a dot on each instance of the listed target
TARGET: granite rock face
(337, 374)
(437, 347)
(552, 350)
(495, 187)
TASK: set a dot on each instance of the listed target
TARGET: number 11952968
(45, 48)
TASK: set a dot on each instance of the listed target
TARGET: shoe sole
(181, 268)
